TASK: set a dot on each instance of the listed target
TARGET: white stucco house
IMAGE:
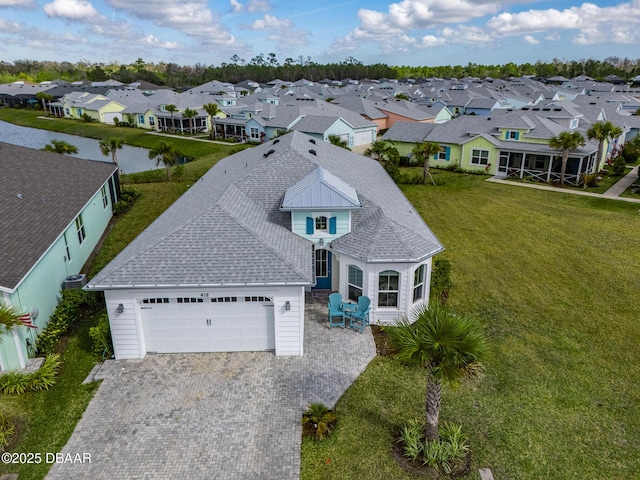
(227, 266)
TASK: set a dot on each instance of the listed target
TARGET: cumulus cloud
(78, 10)
(7, 26)
(16, 3)
(281, 31)
(191, 17)
(531, 40)
(152, 41)
(251, 7)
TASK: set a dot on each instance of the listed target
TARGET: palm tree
(110, 146)
(166, 154)
(386, 154)
(450, 347)
(338, 141)
(60, 146)
(44, 97)
(212, 110)
(190, 113)
(602, 131)
(171, 108)
(566, 141)
(423, 153)
(9, 318)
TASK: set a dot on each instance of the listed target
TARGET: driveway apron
(212, 415)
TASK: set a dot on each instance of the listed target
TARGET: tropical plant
(44, 97)
(619, 165)
(411, 437)
(450, 347)
(422, 154)
(338, 142)
(6, 431)
(171, 108)
(386, 154)
(566, 141)
(16, 383)
(212, 110)
(110, 146)
(319, 421)
(602, 131)
(190, 113)
(167, 155)
(101, 337)
(9, 318)
(60, 146)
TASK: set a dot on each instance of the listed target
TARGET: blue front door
(323, 269)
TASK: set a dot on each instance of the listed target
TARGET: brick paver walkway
(228, 416)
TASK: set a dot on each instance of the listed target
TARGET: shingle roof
(41, 193)
(229, 229)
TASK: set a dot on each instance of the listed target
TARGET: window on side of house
(388, 287)
(152, 121)
(105, 197)
(418, 283)
(141, 119)
(321, 224)
(354, 282)
(513, 135)
(80, 229)
(254, 133)
(444, 153)
(66, 247)
(479, 157)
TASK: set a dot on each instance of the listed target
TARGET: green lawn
(555, 280)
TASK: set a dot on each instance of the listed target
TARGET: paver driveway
(213, 415)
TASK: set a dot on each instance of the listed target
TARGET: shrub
(454, 167)
(127, 198)
(87, 118)
(589, 180)
(318, 421)
(6, 430)
(101, 337)
(619, 165)
(441, 279)
(16, 383)
(412, 439)
(74, 304)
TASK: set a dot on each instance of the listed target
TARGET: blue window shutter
(506, 135)
(517, 135)
(332, 225)
(309, 226)
(447, 152)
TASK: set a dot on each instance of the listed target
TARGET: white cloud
(7, 26)
(152, 41)
(191, 17)
(251, 7)
(79, 10)
(282, 32)
(531, 40)
(16, 3)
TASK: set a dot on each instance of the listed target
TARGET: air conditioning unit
(74, 281)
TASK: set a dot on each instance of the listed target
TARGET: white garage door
(220, 324)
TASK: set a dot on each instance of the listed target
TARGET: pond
(130, 159)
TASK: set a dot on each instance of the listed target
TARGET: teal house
(53, 212)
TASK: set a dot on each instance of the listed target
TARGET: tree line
(263, 69)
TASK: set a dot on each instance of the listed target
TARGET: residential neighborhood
(263, 284)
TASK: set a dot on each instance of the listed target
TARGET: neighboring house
(53, 211)
(227, 266)
(20, 94)
(514, 144)
(99, 107)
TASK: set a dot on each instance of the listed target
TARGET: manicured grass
(554, 279)
(45, 420)
(131, 136)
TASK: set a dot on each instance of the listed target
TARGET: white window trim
(397, 292)
(349, 284)
(420, 284)
(479, 156)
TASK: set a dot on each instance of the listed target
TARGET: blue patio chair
(359, 318)
(335, 310)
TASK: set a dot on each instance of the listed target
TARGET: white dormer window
(574, 123)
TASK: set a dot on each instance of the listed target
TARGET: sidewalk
(612, 194)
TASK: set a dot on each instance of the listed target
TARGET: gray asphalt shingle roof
(41, 193)
(229, 229)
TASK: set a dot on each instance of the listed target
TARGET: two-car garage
(208, 324)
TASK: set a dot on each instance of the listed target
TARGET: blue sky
(405, 32)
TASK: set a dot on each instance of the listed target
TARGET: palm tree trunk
(432, 408)
(425, 171)
(563, 169)
(596, 165)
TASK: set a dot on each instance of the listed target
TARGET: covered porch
(545, 167)
(179, 124)
(231, 128)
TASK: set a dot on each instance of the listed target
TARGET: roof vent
(312, 141)
(312, 152)
(275, 141)
(265, 155)
(74, 281)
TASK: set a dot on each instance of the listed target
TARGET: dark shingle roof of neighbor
(228, 229)
(41, 193)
